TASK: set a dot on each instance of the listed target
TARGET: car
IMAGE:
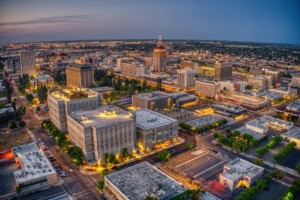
(70, 170)
(63, 175)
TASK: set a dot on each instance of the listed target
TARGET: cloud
(48, 20)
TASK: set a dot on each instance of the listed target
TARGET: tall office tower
(185, 77)
(223, 71)
(159, 57)
(105, 130)
(27, 60)
(81, 76)
(65, 101)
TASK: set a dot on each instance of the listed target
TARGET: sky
(275, 21)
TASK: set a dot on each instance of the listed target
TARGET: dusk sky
(236, 20)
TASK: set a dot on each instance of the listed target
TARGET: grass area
(11, 139)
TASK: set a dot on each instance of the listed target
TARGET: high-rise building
(80, 76)
(159, 58)
(185, 77)
(65, 101)
(275, 74)
(223, 71)
(207, 88)
(27, 60)
(105, 130)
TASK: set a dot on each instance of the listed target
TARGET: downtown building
(240, 173)
(100, 131)
(79, 76)
(152, 100)
(260, 82)
(295, 80)
(65, 101)
(223, 71)
(159, 59)
(131, 67)
(154, 129)
(185, 77)
(207, 88)
(27, 62)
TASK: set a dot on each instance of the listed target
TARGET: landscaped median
(64, 143)
(194, 129)
(270, 145)
(295, 188)
(284, 151)
(236, 141)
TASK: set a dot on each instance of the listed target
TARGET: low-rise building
(264, 124)
(182, 99)
(292, 110)
(260, 82)
(286, 92)
(142, 180)
(296, 80)
(239, 173)
(104, 90)
(36, 170)
(105, 130)
(293, 135)
(154, 129)
(230, 109)
(152, 100)
(247, 101)
(45, 80)
(65, 101)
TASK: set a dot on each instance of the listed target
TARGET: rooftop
(203, 121)
(143, 179)
(101, 117)
(265, 122)
(153, 95)
(102, 89)
(69, 94)
(43, 77)
(80, 67)
(34, 163)
(293, 132)
(239, 168)
(254, 134)
(147, 119)
(295, 106)
(231, 108)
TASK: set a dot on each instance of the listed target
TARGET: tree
(159, 84)
(112, 95)
(18, 189)
(248, 87)
(76, 154)
(125, 153)
(101, 185)
(164, 155)
(227, 130)
(8, 89)
(12, 124)
(21, 123)
(21, 110)
(216, 135)
(29, 98)
(42, 93)
(190, 146)
(298, 167)
(144, 85)
(14, 104)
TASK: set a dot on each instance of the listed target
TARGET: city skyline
(255, 21)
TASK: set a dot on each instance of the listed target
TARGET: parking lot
(203, 121)
(51, 158)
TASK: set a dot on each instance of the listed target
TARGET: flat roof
(295, 106)
(153, 95)
(147, 119)
(239, 168)
(101, 117)
(66, 94)
(143, 179)
(231, 108)
(293, 132)
(264, 122)
(80, 66)
(203, 121)
(34, 163)
(254, 134)
(102, 89)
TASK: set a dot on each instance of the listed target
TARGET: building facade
(185, 77)
(296, 80)
(65, 101)
(207, 88)
(105, 130)
(152, 100)
(80, 76)
(154, 129)
(27, 62)
(159, 59)
(131, 67)
(223, 71)
(260, 82)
